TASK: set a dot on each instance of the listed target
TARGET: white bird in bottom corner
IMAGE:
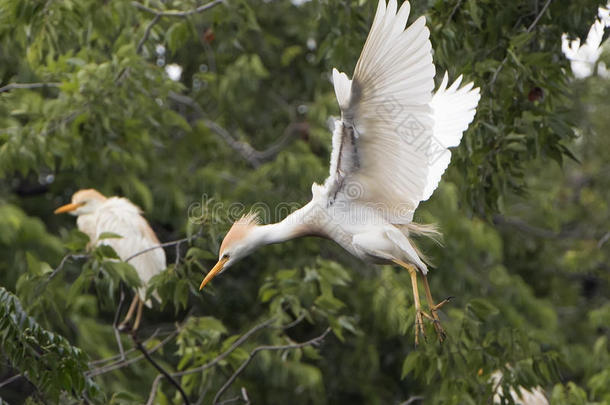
(96, 215)
(519, 394)
(389, 151)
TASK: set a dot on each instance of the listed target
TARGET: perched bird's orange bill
(215, 270)
(66, 208)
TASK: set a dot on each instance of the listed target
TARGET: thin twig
(59, 267)
(166, 244)
(10, 380)
(63, 262)
(230, 400)
(294, 323)
(539, 16)
(529, 29)
(412, 399)
(253, 156)
(117, 357)
(147, 31)
(12, 86)
(455, 9)
(176, 13)
(312, 342)
(124, 363)
(117, 314)
(153, 391)
(161, 370)
(217, 359)
(224, 354)
(244, 395)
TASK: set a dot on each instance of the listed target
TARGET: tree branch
(11, 379)
(312, 342)
(147, 31)
(217, 359)
(124, 363)
(221, 356)
(166, 244)
(12, 86)
(115, 328)
(534, 230)
(253, 156)
(455, 9)
(176, 13)
(224, 354)
(161, 370)
(412, 399)
(529, 29)
(539, 16)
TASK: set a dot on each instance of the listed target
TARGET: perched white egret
(96, 215)
(389, 150)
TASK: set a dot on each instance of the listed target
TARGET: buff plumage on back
(122, 217)
(389, 104)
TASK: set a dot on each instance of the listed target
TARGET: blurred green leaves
(525, 248)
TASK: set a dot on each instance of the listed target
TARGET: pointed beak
(66, 208)
(214, 272)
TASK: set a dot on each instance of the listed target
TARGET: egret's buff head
(237, 244)
(83, 202)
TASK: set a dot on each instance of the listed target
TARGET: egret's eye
(225, 256)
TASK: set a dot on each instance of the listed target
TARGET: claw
(440, 304)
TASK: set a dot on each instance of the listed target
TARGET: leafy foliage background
(524, 206)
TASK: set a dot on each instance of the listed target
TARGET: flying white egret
(96, 215)
(389, 152)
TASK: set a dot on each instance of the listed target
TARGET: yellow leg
(136, 324)
(132, 308)
(419, 321)
(440, 332)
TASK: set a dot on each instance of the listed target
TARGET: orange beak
(215, 270)
(66, 208)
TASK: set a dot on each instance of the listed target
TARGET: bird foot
(419, 326)
(440, 332)
(432, 317)
(124, 327)
(440, 304)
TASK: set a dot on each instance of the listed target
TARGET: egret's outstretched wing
(123, 218)
(385, 145)
(453, 110)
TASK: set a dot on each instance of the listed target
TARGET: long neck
(293, 226)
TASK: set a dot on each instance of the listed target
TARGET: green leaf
(45, 356)
(108, 235)
(482, 308)
(123, 271)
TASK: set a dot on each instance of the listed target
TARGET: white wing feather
(389, 105)
(454, 109)
(120, 216)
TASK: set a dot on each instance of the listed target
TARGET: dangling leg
(440, 332)
(419, 314)
(132, 308)
(136, 324)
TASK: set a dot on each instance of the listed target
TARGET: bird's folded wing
(388, 118)
(121, 217)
